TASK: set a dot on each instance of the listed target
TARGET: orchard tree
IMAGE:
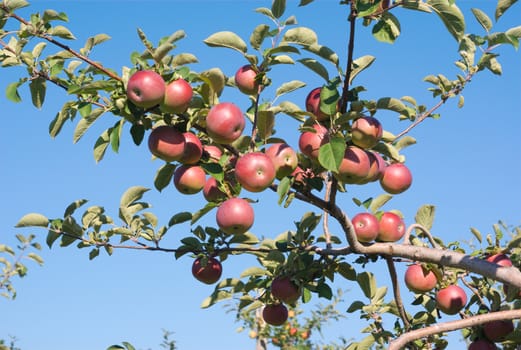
(208, 145)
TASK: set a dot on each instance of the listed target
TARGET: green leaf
(392, 104)
(254, 271)
(132, 195)
(179, 218)
(183, 59)
(137, 131)
(278, 7)
(329, 98)
(301, 36)
(101, 145)
(367, 283)
(62, 32)
(330, 155)
(11, 91)
(216, 296)
(95, 40)
(359, 65)
(33, 219)
(258, 35)
(316, 67)
(425, 216)
(265, 124)
(15, 4)
(324, 52)
(405, 141)
(476, 234)
(347, 271)
(387, 29)
(164, 176)
(115, 135)
(226, 39)
(503, 6)
(482, 19)
(379, 202)
(289, 87)
(415, 5)
(324, 291)
(355, 306)
(451, 16)
(71, 208)
(85, 123)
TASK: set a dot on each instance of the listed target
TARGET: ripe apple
(391, 227)
(146, 88)
(166, 143)
(275, 314)
(376, 167)
(355, 165)
(207, 270)
(285, 290)
(235, 216)
(293, 331)
(212, 192)
(305, 334)
(245, 80)
(451, 299)
(309, 142)
(482, 344)
(225, 122)
(189, 179)
(178, 95)
(214, 153)
(284, 159)
(366, 227)
(255, 171)
(396, 178)
(420, 280)
(366, 132)
(193, 149)
(313, 104)
(500, 259)
(496, 331)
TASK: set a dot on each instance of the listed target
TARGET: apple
(235, 216)
(275, 314)
(212, 192)
(420, 280)
(366, 227)
(254, 171)
(193, 149)
(293, 331)
(214, 153)
(377, 166)
(451, 299)
(305, 334)
(313, 104)
(482, 344)
(496, 331)
(225, 123)
(167, 143)
(284, 159)
(366, 132)
(309, 142)
(285, 290)
(189, 179)
(207, 270)
(391, 227)
(396, 178)
(355, 165)
(245, 80)
(178, 95)
(146, 88)
(500, 259)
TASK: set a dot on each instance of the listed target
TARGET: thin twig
(396, 292)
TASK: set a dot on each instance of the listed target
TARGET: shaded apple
(207, 270)
(275, 314)
(146, 88)
(166, 143)
(178, 95)
(482, 344)
(500, 259)
(355, 165)
(313, 104)
(451, 299)
(284, 289)
(496, 331)
(225, 123)
(391, 227)
(284, 158)
(254, 171)
(310, 141)
(235, 216)
(189, 179)
(212, 192)
(193, 149)
(366, 132)
(366, 227)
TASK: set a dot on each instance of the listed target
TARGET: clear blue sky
(467, 164)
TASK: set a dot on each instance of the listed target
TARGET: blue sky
(467, 164)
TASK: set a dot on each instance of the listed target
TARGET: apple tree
(207, 145)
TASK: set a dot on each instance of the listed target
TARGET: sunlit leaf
(482, 19)
(33, 219)
(226, 39)
(451, 16)
(330, 154)
(387, 29)
(367, 283)
(502, 7)
(425, 216)
(301, 36)
(289, 87)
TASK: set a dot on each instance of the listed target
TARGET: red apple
(391, 227)
(366, 132)
(178, 95)
(284, 159)
(225, 122)
(313, 104)
(212, 192)
(500, 259)
(146, 88)
(482, 344)
(496, 331)
(166, 143)
(235, 216)
(214, 153)
(189, 179)
(207, 270)
(309, 142)
(355, 165)
(193, 149)
(245, 80)
(450, 300)
(305, 334)
(284, 289)
(275, 314)
(420, 280)
(366, 227)
(396, 178)
(377, 166)
(254, 171)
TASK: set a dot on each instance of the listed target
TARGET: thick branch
(400, 342)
